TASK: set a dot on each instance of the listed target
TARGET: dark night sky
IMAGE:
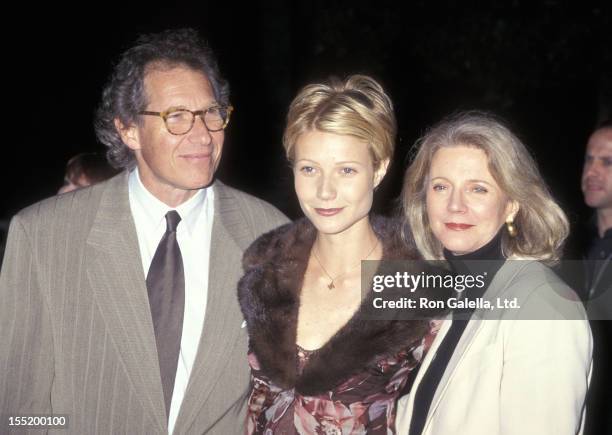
(543, 66)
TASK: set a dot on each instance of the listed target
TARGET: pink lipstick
(328, 211)
(457, 227)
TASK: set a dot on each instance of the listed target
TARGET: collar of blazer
(114, 269)
(114, 214)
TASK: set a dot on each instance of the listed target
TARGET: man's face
(597, 171)
(173, 167)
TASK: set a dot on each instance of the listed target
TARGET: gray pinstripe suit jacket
(76, 335)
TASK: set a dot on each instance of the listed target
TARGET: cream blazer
(518, 374)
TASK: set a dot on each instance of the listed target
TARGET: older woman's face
(465, 206)
(334, 180)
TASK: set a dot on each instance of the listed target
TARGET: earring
(511, 228)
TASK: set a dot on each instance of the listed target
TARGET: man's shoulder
(229, 192)
(257, 212)
(76, 207)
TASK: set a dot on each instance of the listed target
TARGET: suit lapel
(115, 274)
(466, 340)
(474, 326)
(429, 356)
(222, 323)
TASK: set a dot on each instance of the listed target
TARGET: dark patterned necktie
(166, 288)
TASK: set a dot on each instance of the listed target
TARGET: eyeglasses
(180, 121)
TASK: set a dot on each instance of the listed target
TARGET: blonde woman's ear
(380, 172)
(513, 211)
(510, 226)
(514, 208)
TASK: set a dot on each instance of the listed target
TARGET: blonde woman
(473, 195)
(317, 366)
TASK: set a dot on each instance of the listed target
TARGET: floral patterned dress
(362, 404)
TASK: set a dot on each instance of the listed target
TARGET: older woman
(317, 365)
(473, 192)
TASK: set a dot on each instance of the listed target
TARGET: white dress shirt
(193, 235)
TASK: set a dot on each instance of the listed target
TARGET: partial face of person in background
(74, 184)
(465, 205)
(85, 169)
(172, 167)
(597, 170)
(334, 180)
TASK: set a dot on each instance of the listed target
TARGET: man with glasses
(118, 302)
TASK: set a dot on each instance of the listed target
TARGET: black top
(488, 259)
(599, 265)
(601, 247)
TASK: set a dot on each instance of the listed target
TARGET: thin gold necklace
(331, 285)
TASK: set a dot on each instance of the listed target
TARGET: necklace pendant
(331, 285)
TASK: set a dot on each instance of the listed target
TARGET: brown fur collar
(269, 295)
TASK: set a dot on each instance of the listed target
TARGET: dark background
(544, 66)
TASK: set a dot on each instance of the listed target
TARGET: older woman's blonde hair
(357, 106)
(541, 224)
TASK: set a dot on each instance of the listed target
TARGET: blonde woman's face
(465, 206)
(334, 180)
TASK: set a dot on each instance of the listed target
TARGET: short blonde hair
(357, 106)
(541, 224)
